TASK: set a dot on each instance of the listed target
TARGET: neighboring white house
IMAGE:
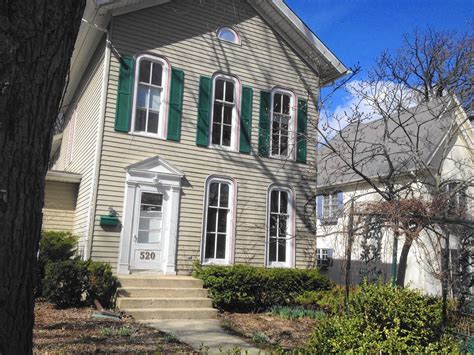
(445, 143)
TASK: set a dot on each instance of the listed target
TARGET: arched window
(282, 123)
(150, 96)
(280, 227)
(228, 34)
(226, 100)
(218, 220)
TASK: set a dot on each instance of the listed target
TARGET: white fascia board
(63, 176)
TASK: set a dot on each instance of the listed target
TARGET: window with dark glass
(224, 105)
(279, 220)
(149, 96)
(281, 121)
(217, 229)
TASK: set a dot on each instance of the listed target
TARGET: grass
(116, 331)
(296, 312)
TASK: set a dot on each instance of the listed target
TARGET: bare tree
(397, 139)
(36, 43)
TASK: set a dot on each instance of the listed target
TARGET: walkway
(205, 335)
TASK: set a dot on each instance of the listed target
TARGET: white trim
(291, 125)
(234, 140)
(230, 29)
(231, 218)
(63, 176)
(291, 228)
(165, 80)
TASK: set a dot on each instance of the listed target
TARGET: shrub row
(71, 282)
(384, 319)
(247, 288)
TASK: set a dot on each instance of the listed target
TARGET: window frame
(230, 227)
(230, 29)
(166, 78)
(234, 138)
(291, 154)
(290, 242)
(334, 212)
(320, 252)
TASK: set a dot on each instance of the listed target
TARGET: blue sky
(357, 31)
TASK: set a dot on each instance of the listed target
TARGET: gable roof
(276, 13)
(415, 137)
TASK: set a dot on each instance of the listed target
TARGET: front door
(148, 233)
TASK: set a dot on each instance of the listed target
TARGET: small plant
(101, 283)
(330, 301)
(171, 338)
(260, 338)
(296, 312)
(116, 331)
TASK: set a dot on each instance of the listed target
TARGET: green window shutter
(246, 120)
(175, 105)
(124, 95)
(264, 124)
(204, 105)
(302, 125)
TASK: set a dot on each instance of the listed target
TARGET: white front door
(148, 230)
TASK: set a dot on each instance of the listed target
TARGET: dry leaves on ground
(276, 330)
(74, 330)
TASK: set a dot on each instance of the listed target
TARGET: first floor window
(279, 226)
(150, 92)
(281, 123)
(224, 111)
(324, 257)
(218, 226)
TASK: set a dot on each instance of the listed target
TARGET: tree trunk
(36, 43)
(402, 265)
(347, 277)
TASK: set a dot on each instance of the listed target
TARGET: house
(435, 136)
(188, 136)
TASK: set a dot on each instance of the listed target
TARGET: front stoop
(149, 297)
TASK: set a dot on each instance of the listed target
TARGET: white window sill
(278, 265)
(147, 135)
(223, 148)
(215, 262)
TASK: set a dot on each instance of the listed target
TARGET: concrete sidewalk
(205, 335)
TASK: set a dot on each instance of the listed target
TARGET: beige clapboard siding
(86, 102)
(262, 61)
(59, 205)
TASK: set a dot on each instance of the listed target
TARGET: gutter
(100, 138)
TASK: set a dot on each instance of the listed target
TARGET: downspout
(100, 138)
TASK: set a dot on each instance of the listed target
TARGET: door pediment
(154, 171)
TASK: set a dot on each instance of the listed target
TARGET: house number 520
(146, 255)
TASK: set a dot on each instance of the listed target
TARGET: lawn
(74, 330)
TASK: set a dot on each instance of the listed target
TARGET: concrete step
(160, 292)
(160, 281)
(195, 303)
(147, 314)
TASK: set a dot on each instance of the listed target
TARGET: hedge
(248, 288)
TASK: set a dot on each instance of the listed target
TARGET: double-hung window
(282, 121)
(150, 99)
(324, 257)
(218, 220)
(224, 112)
(280, 227)
(329, 207)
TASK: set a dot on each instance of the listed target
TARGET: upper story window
(150, 96)
(329, 207)
(280, 226)
(228, 34)
(225, 100)
(219, 226)
(282, 122)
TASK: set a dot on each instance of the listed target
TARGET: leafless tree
(398, 137)
(36, 43)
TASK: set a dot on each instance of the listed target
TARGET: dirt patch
(266, 329)
(73, 330)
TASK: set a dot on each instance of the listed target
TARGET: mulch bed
(276, 331)
(75, 331)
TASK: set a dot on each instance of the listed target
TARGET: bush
(384, 319)
(65, 282)
(330, 301)
(247, 288)
(101, 284)
(53, 247)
